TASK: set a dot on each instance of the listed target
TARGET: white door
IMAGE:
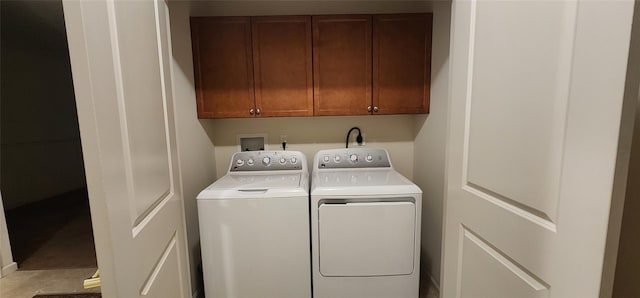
(120, 60)
(536, 97)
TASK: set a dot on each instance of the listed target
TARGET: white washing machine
(365, 226)
(254, 228)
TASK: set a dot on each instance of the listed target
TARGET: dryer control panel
(267, 161)
(350, 158)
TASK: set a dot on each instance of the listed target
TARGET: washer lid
(358, 182)
(256, 185)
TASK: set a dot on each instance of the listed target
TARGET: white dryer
(365, 226)
(254, 228)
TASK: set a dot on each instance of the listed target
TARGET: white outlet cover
(251, 136)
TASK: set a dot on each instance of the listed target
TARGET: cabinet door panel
(223, 66)
(282, 65)
(401, 63)
(342, 64)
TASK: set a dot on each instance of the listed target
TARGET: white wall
(429, 149)
(195, 149)
(41, 152)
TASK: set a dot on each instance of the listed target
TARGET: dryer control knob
(282, 160)
(294, 160)
(266, 161)
(325, 158)
(353, 157)
(336, 158)
(239, 162)
(250, 161)
(369, 158)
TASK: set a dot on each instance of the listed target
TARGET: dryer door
(366, 238)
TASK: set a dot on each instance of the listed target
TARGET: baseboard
(6, 270)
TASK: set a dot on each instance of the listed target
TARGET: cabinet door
(401, 63)
(223, 66)
(342, 64)
(282, 65)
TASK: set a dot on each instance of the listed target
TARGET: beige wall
(251, 8)
(429, 150)
(395, 133)
(41, 153)
(195, 148)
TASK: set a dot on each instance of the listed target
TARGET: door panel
(536, 95)
(487, 272)
(160, 282)
(342, 64)
(223, 66)
(536, 127)
(146, 136)
(282, 65)
(120, 55)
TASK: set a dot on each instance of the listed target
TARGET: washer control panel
(352, 158)
(267, 161)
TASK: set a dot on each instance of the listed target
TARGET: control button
(266, 161)
(336, 158)
(369, 158)
(353, 158)
(250, 161)
(325, 158)
(282, 160)
(239, 162)
(294, 160)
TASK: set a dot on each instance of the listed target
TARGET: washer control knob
(250, 161)
(239, 162)
(353, 158)
(282, 160)
(266, 160)
(325, 159)
(369, 158)
(336, 158)
(294, 160)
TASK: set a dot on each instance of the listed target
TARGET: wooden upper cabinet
(223, 66)
(282, 65)
(401, 63)
(321, 65)
(342, 64)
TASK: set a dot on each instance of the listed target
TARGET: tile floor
(27, 283)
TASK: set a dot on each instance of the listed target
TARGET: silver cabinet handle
(369, 108)
(251, 111)
(257, 111)
(375, 109)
